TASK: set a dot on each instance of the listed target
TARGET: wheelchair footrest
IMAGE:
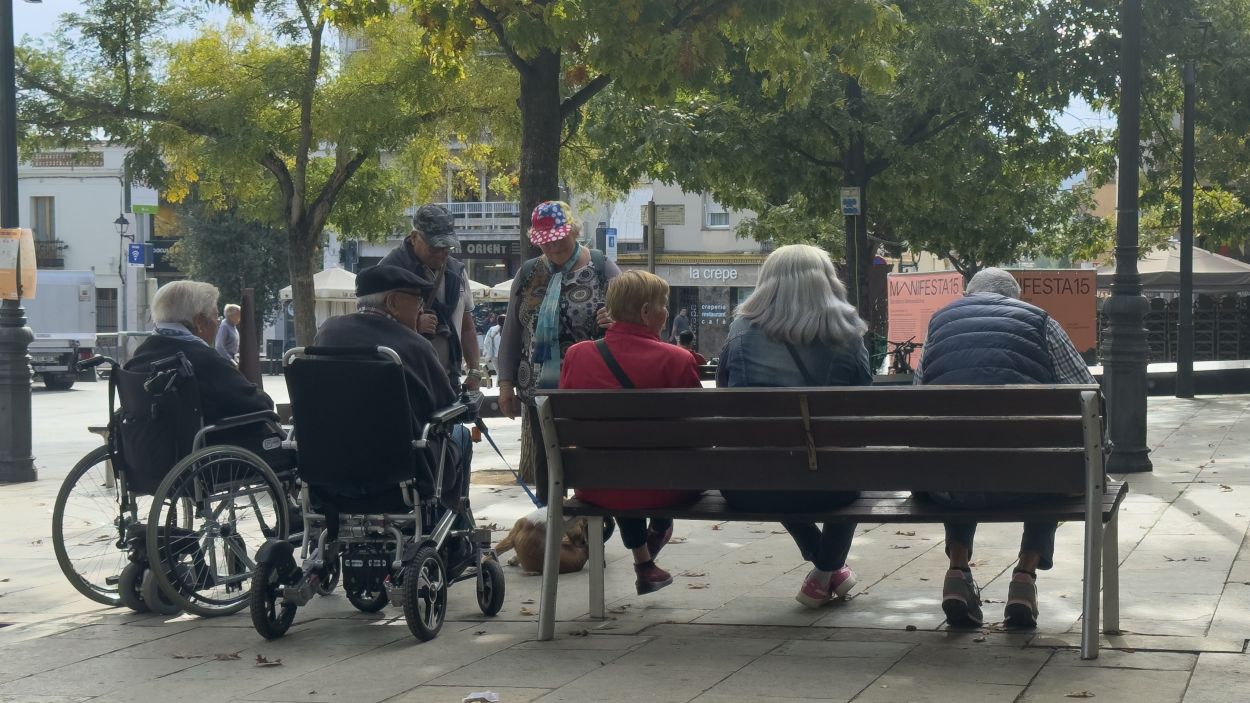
(481, 535)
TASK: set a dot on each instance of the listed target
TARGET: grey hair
(800, 300)
(373, 300)
(181, 301)
(993, 280)
(230, 307)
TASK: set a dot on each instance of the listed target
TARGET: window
(43, 218)
(106, 310)
(715, 216)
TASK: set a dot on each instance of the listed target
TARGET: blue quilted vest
(987, 339)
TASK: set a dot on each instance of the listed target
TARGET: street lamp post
(17, 463)
(120, 225)
(1125, 360)
(1185, 331)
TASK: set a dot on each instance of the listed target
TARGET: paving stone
(1217, 676)
(39, 655)
(754, 610)
(800, 677)
(623, 682)
(455, 694)
(970, 663)
(1118, 659)
(724, 654)
(845, 649)
(1109, 685)
(527, 668)
(97, 676)
(892, 688)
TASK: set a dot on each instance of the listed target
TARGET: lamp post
(17, 463)
(1125, 361)
(120, 225)
(1185, 306)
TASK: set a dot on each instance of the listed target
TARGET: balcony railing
(48, 253)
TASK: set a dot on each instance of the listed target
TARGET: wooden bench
(886, 442)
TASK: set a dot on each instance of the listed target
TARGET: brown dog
(529, 537)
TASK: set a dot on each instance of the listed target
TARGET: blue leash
(486, 433)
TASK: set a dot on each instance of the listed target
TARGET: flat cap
(384, 278)
(437, 226)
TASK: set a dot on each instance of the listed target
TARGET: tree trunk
(855, 174)
(540, 138)
(303, 246)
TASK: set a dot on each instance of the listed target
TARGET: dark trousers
(634, 529)
(1039, 536)
(826, 548)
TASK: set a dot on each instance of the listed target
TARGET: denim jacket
(751, 358)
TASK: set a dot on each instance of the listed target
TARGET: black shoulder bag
(613, 366)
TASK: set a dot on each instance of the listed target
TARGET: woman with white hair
(797, 329)
(184, 314)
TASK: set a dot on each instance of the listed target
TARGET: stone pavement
(727, 630)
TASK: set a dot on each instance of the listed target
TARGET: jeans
(826, 548)
(1039, 536)
(634, 529)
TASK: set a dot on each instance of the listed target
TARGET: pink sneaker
(815, 594)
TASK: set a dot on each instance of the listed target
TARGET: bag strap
(613, 366)
(798, 361)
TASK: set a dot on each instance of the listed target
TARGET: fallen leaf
(184, 655)
(229, 656)
(677, 540)
(1238, 515)
(1202, 559)
(909, 533)
(527, 611)
(990, 600)
(1168, 558)
(38, 541)
(479, 633)
(492, 527)
(696, 585)
(1196, 513)
(779, 532)
(758, 532)
(715, 526)
(749, 561)
(900, 546)
(618, 610)
(262, 661)
(1224, 488)
(579, 633)
(923, 578)
(692, 574)
(980, 638)
(527, 601)
(1079, 694)
(911, 628)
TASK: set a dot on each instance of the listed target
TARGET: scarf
(178, 331)
(547, 351)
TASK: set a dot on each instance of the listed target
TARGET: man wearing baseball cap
(448, 320)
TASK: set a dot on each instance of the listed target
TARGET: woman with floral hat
(557, 300)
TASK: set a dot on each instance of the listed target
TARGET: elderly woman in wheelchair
(383, 460)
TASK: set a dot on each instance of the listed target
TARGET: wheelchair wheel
(367, 601)
(272, 615)
(330, 578)
(154, 598)
(130, 587)
(87, 522)
(490, 589)
(425, 594)
(237, 504)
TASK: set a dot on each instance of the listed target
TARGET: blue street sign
(609, 243)
(135, 255)
(850, 201)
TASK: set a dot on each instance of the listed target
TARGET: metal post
(249, 348)
(652, 233)
(1125, 360)
(1185, 335)
(16, 460)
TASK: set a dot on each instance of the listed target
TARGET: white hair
(993, 280)
(800, 300)
(181, 301)
(230, 307)
(373, 300)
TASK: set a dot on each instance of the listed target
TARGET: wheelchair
(159, 519)
(372, 493)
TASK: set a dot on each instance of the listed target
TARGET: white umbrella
(500, 291)
(477, 290)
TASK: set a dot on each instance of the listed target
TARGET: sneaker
(651, 578)
(1021, 609)
(961, 599)
(814, 593)
(657, 540)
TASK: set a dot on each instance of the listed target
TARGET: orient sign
(488, 250)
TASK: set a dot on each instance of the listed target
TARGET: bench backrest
(1024, 439)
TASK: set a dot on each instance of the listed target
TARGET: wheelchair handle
(94, 361)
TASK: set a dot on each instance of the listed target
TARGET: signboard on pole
(1069, 296)
(17, 245)
(144, 200)
(609, 243)
(136, 256)
(912, 299)
(850, 201)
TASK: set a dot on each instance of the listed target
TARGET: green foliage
(219, 247)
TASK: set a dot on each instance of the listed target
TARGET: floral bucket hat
(551, 221)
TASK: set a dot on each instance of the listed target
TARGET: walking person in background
(557, 300)
(632, 355)
(797, 329)
(681, 323)
(490, 346)
(227, 341)
(991, 337)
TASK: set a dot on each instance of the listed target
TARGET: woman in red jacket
(632, 356)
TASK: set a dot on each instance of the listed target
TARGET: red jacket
(649, 363)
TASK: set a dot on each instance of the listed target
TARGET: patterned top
(581, 296)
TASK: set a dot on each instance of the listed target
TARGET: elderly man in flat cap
(389, 305)
(448, 318)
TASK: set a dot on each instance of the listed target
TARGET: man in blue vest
(448, 320)
(991, 337)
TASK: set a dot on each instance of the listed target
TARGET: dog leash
(481, 426)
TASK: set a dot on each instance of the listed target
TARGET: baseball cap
(437, 226)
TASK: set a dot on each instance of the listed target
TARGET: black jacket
(453, 281)
(224, 392)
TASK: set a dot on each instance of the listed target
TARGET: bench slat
(969, 431)
(888, 469)
(877, 507)
(830, 402)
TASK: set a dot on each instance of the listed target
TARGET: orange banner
(913, 298)
(1068, 295)
(15, 244)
